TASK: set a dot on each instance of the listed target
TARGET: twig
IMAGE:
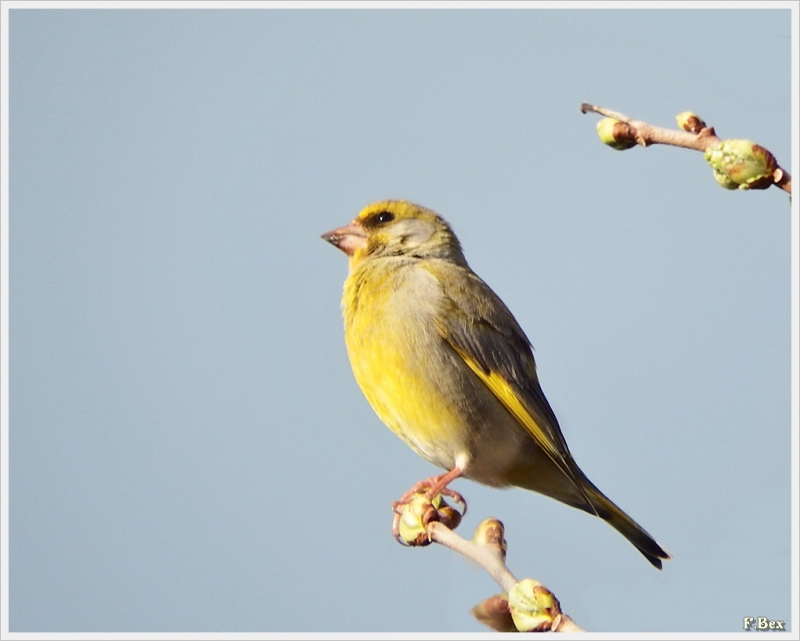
(487, 549)
(525, 605)
(490, 557)
(700, 139)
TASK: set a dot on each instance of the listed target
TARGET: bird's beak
(348, 238)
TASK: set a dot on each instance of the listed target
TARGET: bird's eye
(384, 217)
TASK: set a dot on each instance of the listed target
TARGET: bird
(446, 366)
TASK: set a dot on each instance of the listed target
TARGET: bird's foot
(423, 504)
(433, 486)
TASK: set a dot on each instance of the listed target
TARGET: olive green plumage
(446, 366)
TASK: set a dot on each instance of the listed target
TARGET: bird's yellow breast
(394, 352)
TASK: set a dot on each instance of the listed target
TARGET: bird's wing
(484, 333)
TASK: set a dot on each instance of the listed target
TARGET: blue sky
(188, 449)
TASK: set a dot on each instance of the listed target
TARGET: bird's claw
(456, 497)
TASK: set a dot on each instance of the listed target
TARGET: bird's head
(396, 228)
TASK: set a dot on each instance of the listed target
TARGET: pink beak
(348, 238)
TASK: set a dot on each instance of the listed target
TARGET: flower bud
(690, 122)
(533, 607)
(449, 516)
(491, 532)
(741, 164)
(419, 512)
(616, 134)
(414, 517)
(494, 613)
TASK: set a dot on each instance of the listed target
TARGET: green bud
(741, 164)
(690, 122)
(615, 134)
(414, 517)
(419, 512)
(533, 607)
(490, 532)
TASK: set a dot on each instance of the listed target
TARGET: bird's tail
(608, 511)
(547, 478)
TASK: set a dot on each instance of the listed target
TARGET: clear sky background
(188, 448)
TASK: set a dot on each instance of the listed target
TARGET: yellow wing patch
(505, 394)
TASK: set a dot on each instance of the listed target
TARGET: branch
(490, 555)
(525, 605)
(737, 164)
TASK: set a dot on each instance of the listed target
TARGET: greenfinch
(447, 368)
